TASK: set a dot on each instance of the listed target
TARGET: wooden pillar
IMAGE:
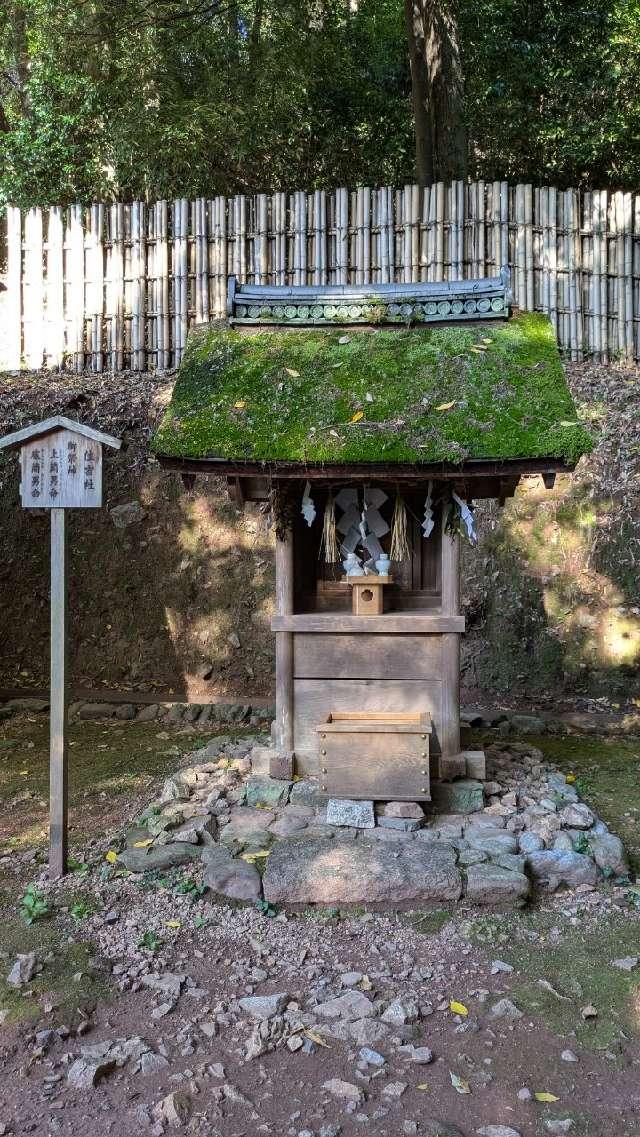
(58, 698)
(284, 643)
(450, 764)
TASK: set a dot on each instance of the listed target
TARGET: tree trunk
(437, 90)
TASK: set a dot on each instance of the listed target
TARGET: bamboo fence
(116, 286)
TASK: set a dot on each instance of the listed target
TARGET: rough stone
(352, 1005)
(84, 1075)
(577, 815)
(305, 792)
(400, 824)
(316, 871)
(493, 843)
(505, 1009)
(498, 1131)
(400, 1012)
(528, 724)
(159, 856)
(228, 877)
(24, 969)
(608, 852)
(554, 867)
(464, 796)
(96, 711)
(261, 790)
(342, 811)
(421, 1055)
(430, 1127)
(530, 843)
(346, 1091)
(408, 809)
(174, 1110)
(127, 514)
(371, 1057)
(493, 884)
(628, 963)
(367, 1032)
(263, 1006)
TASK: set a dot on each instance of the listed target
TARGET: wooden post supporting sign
(61, 465)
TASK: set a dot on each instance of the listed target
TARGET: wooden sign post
(61, 465)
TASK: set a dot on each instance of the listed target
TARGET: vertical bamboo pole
(440, 223)
(261, 241)
(58, 789)
(118, 288)
(342, 236)
(603, 208)
(627, 270)
(180, 278)
(521, 250)
(299, 203)
(365, 237)
(55, 288)
(319, 237)
(201, 278)
(13, 302)
(163, 322)
(423, 233)
(553, 257)
(240, 237)
(450, 586)
(95, 284)
(635, 269)
(280, 238)
(481, 243)
(218, 211)
(33, 290)
(543, 217)
(504, 224)
(570, 220)
(432, 234)
(75, 299)
(138, 286)
(528, 247)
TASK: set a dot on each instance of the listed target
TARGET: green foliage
(190, 888)
(81, 910)
(175, 98)
(440, 394)
(33, 905)
(149, 941)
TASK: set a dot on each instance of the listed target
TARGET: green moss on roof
(377, 396)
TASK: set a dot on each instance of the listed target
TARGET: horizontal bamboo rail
(114, 286)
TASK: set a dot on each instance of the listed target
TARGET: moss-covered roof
(443, 394)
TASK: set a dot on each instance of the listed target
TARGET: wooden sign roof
(50, 425)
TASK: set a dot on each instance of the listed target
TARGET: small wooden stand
(367, 597)
(383, 755)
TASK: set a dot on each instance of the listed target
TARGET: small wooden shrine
(371, 418)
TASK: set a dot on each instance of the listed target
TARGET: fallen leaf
(365, 983)
(447, 406)
(422, 1086)
(111, 857)
(317, 1038)
(240, 405)
(459, 1084)
(357, 416)
(173, 923)
(566, 423)
(571, 779)
(292, 373)
(544, 1096)
(478, 350)
(589, 1012)
(143, 844)
(251, 858)
(458, 1008)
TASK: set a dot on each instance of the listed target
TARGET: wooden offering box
(367, 596)
(375, 755)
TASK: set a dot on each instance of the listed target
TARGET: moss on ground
(416, 396)
(69, 979)
(608, 778)
(111, 766)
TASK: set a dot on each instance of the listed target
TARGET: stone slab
(343, 811)
(492, 884)
(354, 872)
(466, 795)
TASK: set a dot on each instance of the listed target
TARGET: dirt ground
(105, 933)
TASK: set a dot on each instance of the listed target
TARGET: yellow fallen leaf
(251, 858)
(111, 857)
(422, 1086)
(23, 773)
(143, 844)
(357, 416)
(544, 1096)
(459, 1084)
(240, 405)
(365, 983)
(317, 1038)
(571, 779)
(486, 340)
(458, 1008)
(173, 923)
(478, 350)
(292, 373)
(447, 406)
